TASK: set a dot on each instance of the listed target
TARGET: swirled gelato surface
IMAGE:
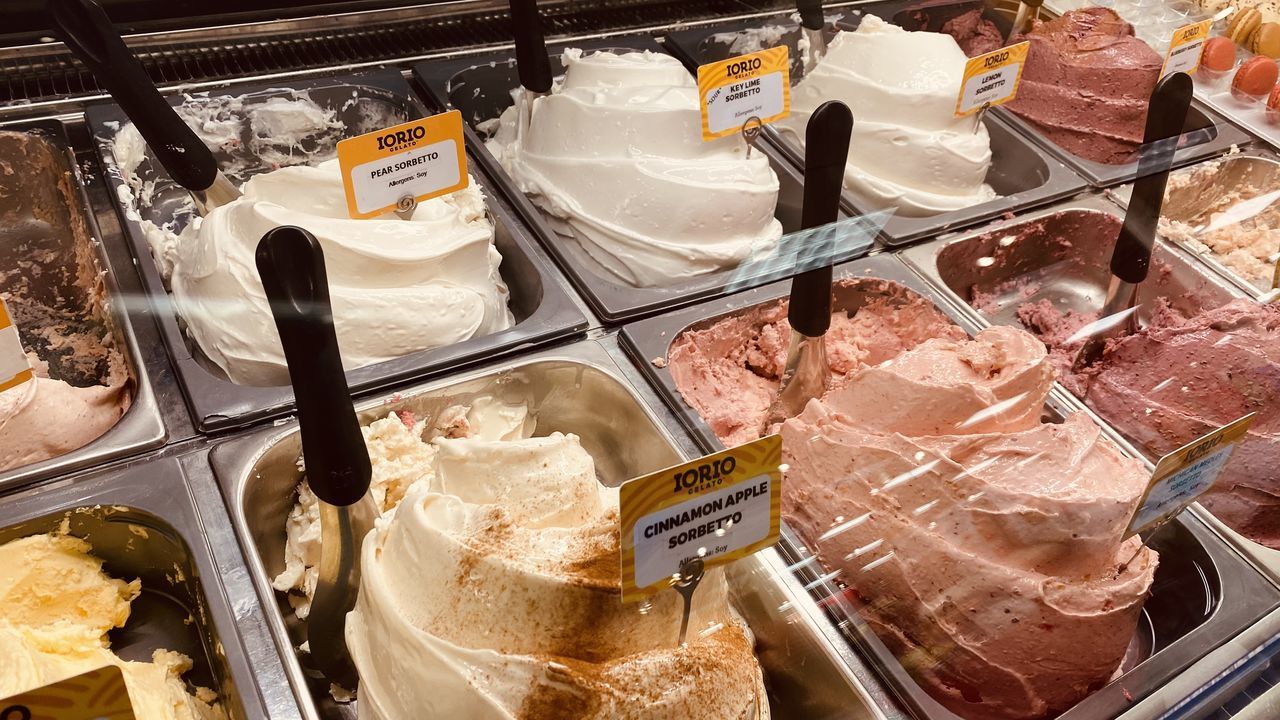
(984, 546)
(56, 607)
(521, 614)
(1087, 84)
(396, 287)
(616, 154)
(729, 370)
(908, 149)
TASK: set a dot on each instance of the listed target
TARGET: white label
(418, 172)
(12, 359)
(1173, 493)
(1184, 58)
(990, 88)
(729, 107)
(716, 523)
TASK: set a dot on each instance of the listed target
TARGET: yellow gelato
(56, 606)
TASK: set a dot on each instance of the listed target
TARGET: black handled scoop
(291, 265)
(811, 24)
(86, 29)
(1131, 258)
(532, 61)
(826, 149)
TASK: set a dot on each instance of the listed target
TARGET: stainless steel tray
(1257, 166)
(951, 265)
(543, 307)
(1022, 174)
(575, 388)
(480, 87)
(143, 521)
(1202, 596)
(72, 237)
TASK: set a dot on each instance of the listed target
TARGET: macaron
(1243, 25)
(1219, 54)
(1256, 77)
(1266, 41)
(1273, 100)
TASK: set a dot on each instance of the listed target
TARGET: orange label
(1186, 47)
(96, 695)
(720, 507)
(991, 79)
(389, 169)
(734, 91)
(1186, 473)
(15, 369)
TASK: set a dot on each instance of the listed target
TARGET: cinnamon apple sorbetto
(521, 614)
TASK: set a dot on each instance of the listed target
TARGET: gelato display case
(632, 245)
(229, 371)
(91, 400)
(578, 389)
(608, 297)
(924, 169)
(941, 663)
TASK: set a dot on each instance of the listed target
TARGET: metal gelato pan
(1073, 276)
(1202, 596)
(1021, 174)
(58, 276)
(1222, 194)
(480, 87)
(143, 521)
(542, 306)
(577, 388)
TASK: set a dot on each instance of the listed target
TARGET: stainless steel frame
(141, 428)
(575, 388)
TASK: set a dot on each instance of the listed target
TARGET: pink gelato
(729, 370)
(1181, 378)
(984, 546)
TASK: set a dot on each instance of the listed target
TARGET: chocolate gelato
(975, 34)
(1087, 83)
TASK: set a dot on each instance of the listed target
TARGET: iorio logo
(401, 137)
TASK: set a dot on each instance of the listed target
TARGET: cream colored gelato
(56, 607)
(399, 458)
(520, 615)
(908, 150)
(396, 287)
(984, 546)
(616, 153)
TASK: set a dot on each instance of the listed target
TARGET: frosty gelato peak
(908, 151)
(521, 615)
(397, 287)
(615, 154)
